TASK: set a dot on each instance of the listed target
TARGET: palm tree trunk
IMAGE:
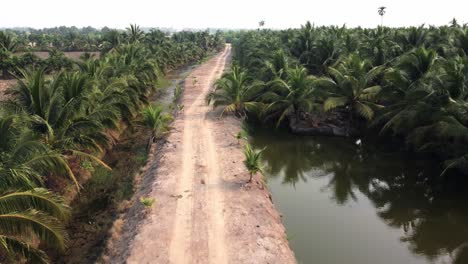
(150, 142)
(5, 74)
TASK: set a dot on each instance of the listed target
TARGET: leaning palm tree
(236, 93)
(252, 160)
(352, 87)
(28, 219)
(409, 89)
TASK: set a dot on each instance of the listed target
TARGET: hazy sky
(227, 13)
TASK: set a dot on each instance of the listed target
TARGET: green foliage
(352, 86)
(29, 215)
(177, 93)
(155, 119)
(242, 134)
(235, 93)
(252, 160)
(147, 201)
(57, 61)
(409, 83)
(291, 96)
(63, 115)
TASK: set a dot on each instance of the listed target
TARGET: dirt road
(4, 85)
(204, 212)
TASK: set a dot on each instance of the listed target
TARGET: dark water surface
(347, 202)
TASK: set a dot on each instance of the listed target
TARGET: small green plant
(141, 158)
(177, 93)
(252, 160)
(241, 135)
(147, 202)
(158, 121)
(87, 165)
(163, 83)
(194, 80)
(180, 107)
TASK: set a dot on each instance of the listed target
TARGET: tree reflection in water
(407, 193)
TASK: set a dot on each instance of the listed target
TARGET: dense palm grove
(17, 47)
(406, 85)
(60, 115)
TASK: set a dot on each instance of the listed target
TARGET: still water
(344, 201)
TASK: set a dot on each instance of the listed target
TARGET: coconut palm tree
(261, 24)
(252, 161)
(155, 119)
(58, 110)
(28, 217)
(287, 98)
(8, 42)
(453, 77)
(380, 46)
(112, 39)
(30, 214)
(414, 37)
(235, 92)
(303, 44)
(135, 34)
(408, 87)
(277, 66)
(381, 12)
(25, 160)
(352, 86)
(460, 42)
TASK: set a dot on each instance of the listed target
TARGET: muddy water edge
(358, 202)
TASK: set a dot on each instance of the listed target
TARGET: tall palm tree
(261, 24)
(381, 12)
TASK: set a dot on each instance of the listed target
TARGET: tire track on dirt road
(204, 211)
(199, 151)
